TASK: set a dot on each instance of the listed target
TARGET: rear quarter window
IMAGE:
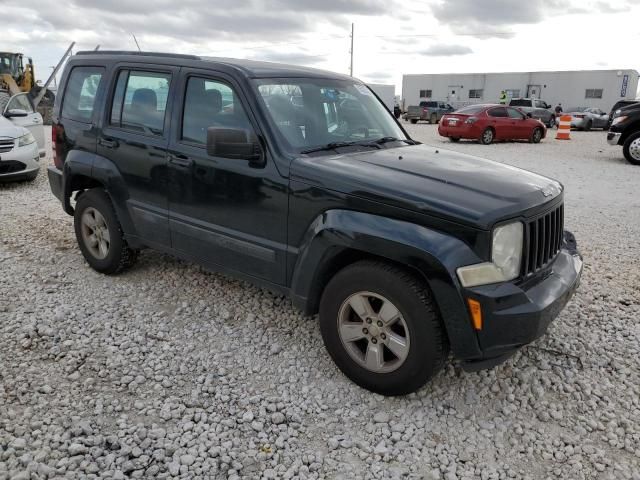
(80, 93)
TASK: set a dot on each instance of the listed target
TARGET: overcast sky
(392, 37)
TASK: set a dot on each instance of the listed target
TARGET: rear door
(33, 120)
(501, 123)
(135, 137)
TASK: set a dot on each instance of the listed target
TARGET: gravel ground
(171, 371)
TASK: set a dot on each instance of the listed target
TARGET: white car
(21, 140)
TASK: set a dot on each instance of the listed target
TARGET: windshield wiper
(383, 140)
(334, 145)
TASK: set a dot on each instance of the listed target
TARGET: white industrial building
(387, 93)
(590, 88)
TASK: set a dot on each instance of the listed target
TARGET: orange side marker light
(476, 313)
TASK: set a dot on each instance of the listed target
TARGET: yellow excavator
(17, 75)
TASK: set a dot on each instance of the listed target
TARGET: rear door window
(140, 101)
(80, 93)
(499, 112)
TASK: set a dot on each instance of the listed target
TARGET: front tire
(631, 148)
(414, 120)
(382, 328)
(100, 235)
(487, 136)
(536, 135)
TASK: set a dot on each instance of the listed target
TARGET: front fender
(433, 254)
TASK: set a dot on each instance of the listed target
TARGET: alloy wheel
(634, 149)
(95, 233)
(373, 332)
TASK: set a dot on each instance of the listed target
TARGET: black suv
(625, 131)
(302, 181)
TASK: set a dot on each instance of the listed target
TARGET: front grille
(6, 145)
(543, 240)
(11, 166)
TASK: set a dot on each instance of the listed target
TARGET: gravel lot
(171, 371)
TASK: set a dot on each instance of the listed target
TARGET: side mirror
(529, 115)
(234, 143)
(15, 112)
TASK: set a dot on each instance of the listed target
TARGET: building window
(475, 93)
(593, 93)
(425, 93)
(513, 93)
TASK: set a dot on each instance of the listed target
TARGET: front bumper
(515, 314)
(19, 163)
(613, 138)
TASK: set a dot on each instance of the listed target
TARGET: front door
(135, 138)
(519, 125)
(223, 212)
(33, 120)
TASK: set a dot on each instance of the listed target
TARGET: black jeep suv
(625, 131)
(302, 181)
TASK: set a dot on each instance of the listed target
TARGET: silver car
(586, 118)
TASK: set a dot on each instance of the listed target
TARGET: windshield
(471, 109)
(577, 109)
(312, 112)
(520, 102)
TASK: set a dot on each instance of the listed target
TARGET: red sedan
(489, 123)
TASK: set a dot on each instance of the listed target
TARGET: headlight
(25, 140)
(619, 120)
(506, 255)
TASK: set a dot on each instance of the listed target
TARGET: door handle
(108, 142)
(181, 161)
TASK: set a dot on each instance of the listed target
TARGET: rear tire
(631, 148)
(404, 319)
(414, 120)
(100, 235)
(487, 136)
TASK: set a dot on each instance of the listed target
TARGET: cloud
(443, 50)
(489, 13)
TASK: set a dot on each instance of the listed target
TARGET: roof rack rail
(142, 54)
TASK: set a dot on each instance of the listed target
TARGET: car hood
(9, 130)
(433, 181)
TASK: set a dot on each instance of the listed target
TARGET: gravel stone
(169, 371)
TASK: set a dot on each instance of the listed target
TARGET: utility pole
(351, 52)
(136, 40)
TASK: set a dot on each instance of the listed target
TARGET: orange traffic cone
(564, 128)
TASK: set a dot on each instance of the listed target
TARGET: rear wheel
(487, 136)
(631, 148)
(381, 327)
(414, 120)
(536, 135)
(100, 235)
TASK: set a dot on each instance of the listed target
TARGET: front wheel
(487, 136)
(536, 135)
(414, 120)
(100, 235)
(631, 148)
(382, 329)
